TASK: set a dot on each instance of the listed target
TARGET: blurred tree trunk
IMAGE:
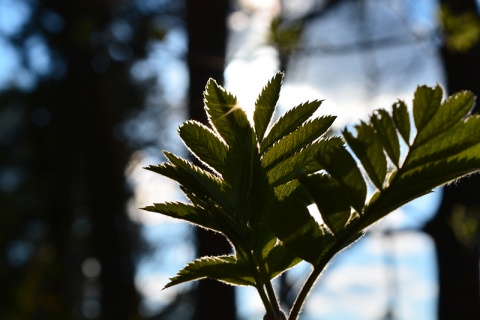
(207, 35)
(95, 160)
(458, 261)
(77, 165)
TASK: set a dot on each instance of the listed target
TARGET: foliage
(257, 179)
(460, 31)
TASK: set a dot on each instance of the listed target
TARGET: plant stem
(273, 299)
(266, 302)
(317, 270)
(307, 286)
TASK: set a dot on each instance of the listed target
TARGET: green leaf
(368, 149)
(279, 260)
(265, 105)
(204, 144)
(225, 116)
(296, 141)
(222, 268)
(187, 212)
(419, 181)
(243, 175)
(457, 138)
(339, 163)
(291, 222)
(286, 170)
(402, 120)
(446, 147)
(329, 197)
(448, 114)
(387, 134)
(289, 122)
(198, 181)
(425, 104)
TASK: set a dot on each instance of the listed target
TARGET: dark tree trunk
(207, 36)
(90, 165)
(458, 263)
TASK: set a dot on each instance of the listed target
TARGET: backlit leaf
(222, 268)
(368, 149)
(329, 197)
(402, 120)
(204, 144)
(339, 163)
(387, 134)
(291, 222)
(289, 122)
(295, 141)
(425, 104)
(265, 105)
(225, 116)
(448, 114)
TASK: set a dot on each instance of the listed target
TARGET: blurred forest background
(92, 90)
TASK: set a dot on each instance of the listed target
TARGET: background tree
(69, 246)
(207, 37)
(455, 227)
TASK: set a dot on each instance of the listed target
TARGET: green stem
(273, 300)
(268, 305)
(307, 286)
(317, 270)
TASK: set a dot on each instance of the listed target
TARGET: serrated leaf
(448, 114)
(296, 140)
(387, 134)
(265, 105)
(204, 144)
(425, 104)
(329, 197)
(419, 181)
(457, 138)
(289, 122)
(222, 268)
(339, 163)
(244, 176)
(368, 149)
(305, 160)
(200, 182)
(187, 212)
(291, 222)
(225, 116)
(402, 120)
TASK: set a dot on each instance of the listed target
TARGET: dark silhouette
(68, 243)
